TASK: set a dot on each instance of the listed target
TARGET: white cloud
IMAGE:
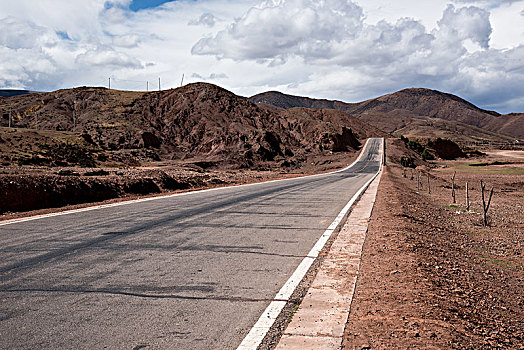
(334, 30)
(16, 34)
(127, 40)
(467, 23)
(278, 29)
(206, 19)
(106, 56)
(490, 3)
(212, 76)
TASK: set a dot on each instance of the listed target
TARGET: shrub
(416, 146)
(407, 162)
(426, 155)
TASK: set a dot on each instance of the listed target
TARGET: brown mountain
(200, 122)
(392, 112)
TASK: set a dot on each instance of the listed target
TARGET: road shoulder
(320, 319)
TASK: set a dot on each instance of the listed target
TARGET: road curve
(182, 272)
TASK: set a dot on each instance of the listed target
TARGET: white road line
(255, 336)
(97, 207)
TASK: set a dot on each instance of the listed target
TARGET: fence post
(467, 196)
(485, 207)
(453, 187)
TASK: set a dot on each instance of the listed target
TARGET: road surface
(193, 271)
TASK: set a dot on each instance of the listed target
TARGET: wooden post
(429, 186)
(485, 207)
(467, 196)
(418, 180)
(453, 187)
(384, 154)
(403, 172)
(10, 117)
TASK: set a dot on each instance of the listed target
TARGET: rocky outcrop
(150, 140)
(344, 141)
(447, 149)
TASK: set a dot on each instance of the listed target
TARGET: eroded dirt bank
(28, 191)
(432, 277)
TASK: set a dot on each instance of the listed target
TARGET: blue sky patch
(63, 35)
(138, 5)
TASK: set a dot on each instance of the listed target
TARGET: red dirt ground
(432, 277)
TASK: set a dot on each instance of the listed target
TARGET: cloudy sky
(349, 50)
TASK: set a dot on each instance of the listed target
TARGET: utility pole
(74, 114)
(158, 84)
(182, 82)
(10, 112)
(147, 86)
(109, 83)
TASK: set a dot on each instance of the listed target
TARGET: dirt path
(431, 276)
(507, 154)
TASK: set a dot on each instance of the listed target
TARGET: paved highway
(192, 271)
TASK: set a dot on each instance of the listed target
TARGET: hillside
(198, 122)
(392, 112)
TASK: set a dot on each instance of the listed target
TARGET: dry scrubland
(432, 275)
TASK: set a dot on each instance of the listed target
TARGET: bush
(426, 155)
(407, 162)
(416, 146)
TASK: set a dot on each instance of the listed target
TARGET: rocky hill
(198, 122)
(392, 112)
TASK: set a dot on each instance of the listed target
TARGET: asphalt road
(186, 272)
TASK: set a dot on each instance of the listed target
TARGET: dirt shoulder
(431, 275)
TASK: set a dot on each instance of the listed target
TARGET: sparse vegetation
(407, 162)
(66, 153)
(426, 155)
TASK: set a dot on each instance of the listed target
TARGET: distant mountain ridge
(389, 112)
(12, 92)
